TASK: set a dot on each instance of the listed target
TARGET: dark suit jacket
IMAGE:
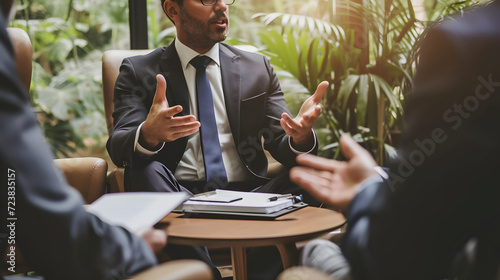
(445, 187)
(254, 104)
(57, 237)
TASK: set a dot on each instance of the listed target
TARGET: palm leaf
(302, 23)
(362, 100)
(346, 89)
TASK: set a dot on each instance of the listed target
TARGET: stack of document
(237, 202)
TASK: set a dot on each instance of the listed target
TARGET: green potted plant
(367, 53)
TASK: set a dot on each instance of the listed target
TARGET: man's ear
(171, 9)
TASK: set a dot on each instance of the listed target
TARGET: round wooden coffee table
(283, 232)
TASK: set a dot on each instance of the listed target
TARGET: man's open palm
(335, 182)
(300, 127)
(162, 125)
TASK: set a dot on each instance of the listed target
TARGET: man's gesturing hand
(300, 127)
(335, 182)
(161, 125)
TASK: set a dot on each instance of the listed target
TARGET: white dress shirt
(188, 168)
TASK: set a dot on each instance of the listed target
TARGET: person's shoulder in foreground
(441, 192)
(448, 160)
(56, 236)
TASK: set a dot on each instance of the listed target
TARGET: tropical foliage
(68, 39)
(365, 52)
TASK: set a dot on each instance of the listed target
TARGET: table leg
(289, 254)
(239, 260)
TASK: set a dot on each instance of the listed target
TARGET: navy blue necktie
(210, 145)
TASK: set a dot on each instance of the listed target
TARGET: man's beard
(198, 33)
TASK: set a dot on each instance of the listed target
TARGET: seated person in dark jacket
(192, 116)
(166, 141)
(443, 190)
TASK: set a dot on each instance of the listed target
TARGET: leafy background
(365, 48)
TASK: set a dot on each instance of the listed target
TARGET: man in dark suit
(442, 193)
(155, 135)
(158, 133)
(45, 218)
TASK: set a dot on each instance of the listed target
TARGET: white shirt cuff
(381, 172)
(141, 149)
(299, 152)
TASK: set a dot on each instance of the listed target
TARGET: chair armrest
(178, 269)
(24, 53)
(116, 180)
(86, 174)
(303, 273)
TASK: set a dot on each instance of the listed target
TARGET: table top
(303, 224)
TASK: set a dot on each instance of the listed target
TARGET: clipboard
(239, 215)
(242, 202)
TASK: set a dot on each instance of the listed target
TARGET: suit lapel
(177, 90)
(231, 75)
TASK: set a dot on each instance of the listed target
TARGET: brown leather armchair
(87, 175)
(111, 61)
(175, 270)
(303, 273)
(24, 54)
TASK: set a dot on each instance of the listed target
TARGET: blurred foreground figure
(57, 237)
(440, 200)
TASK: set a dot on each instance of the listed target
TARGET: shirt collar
(186, 53)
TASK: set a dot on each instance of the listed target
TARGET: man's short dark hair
(180, 2)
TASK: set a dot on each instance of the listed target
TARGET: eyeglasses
(213, 2)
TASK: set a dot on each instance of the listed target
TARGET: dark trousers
(156, 177)
(262, 262)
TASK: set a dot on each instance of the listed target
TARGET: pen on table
(274, 198)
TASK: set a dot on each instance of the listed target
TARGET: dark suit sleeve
(277, 142)
(56, 235)
(442, 189)
(261, 105)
